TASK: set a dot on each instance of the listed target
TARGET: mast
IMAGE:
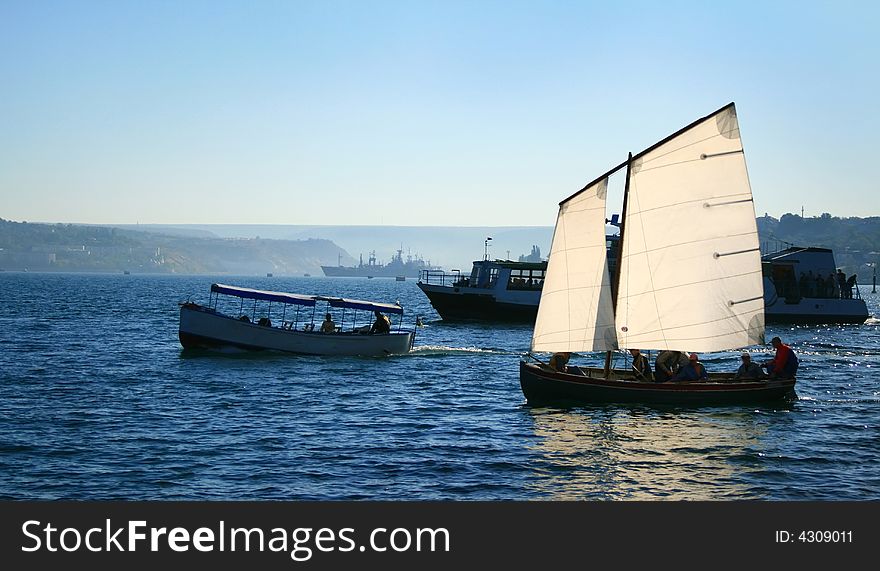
(616, 281)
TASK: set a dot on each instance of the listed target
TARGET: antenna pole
(616, 281)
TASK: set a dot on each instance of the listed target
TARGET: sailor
(328, 326)
(748, 369)
(559, 361)
(641, 366)
(381, 325)
(668, 363)
(693, 371)
(784, 364)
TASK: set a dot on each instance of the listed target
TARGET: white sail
(690, 276)
(576, 311)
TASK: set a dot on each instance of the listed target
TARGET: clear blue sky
(417, 113)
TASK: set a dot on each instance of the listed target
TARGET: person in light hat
(693, 371)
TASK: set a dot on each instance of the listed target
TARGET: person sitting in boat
(668, 363)
(328, 326)
(693, 371)
(748, 369)
(784, 364)
(381, 325)
(559, 361)
(641, 366)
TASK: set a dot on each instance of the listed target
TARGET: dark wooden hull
(453, 306)
(541, 385)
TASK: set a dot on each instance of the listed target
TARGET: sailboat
(687, 277)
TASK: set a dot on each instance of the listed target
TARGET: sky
(417, 113)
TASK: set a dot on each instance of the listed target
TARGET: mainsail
(690, 266)
(575, 311)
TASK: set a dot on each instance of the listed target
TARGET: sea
(98, 401)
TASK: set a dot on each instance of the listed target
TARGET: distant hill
(852, 239)
(295, 249)
(447, 246)
(69, 247)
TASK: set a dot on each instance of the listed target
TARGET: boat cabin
(513, 275)
(795, 273)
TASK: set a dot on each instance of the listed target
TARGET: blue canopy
(308, 300)
(366, 305)
(248, 293)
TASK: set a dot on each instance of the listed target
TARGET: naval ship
(396, 268)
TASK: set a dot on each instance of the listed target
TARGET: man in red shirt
(784, 364)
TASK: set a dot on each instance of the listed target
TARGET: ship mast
(616, 281)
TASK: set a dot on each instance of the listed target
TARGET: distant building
(535, 256)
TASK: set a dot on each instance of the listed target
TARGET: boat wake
(873, 321)
(440, 350)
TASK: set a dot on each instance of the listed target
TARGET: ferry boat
(495, 290)
(504, 290)
(229, 323)
(803, 285)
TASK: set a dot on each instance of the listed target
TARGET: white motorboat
(221, 324)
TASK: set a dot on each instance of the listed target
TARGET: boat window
(524, 279)
(493, 277)
(784, 280)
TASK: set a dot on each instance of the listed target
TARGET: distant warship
(397, 267)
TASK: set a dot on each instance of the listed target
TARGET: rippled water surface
(98, 401)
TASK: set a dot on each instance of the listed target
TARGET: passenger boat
(496, 290)
(802, 285)
(688, 278)
(227, 322)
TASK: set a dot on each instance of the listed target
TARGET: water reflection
(631, 453)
